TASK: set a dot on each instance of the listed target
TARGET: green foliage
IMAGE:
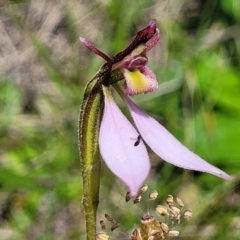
(43, 71)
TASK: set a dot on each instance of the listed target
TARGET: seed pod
(109, 218)
(127, 198)
(175, 210)
(137, 199)
(136, 235)
(143, 189)
(103, 226)
(187, 214)
(153, 195)
(115, 225)
(174, 213)
(164, 227)
(158, 236)
(161, 210)
(173, 233)
(180, 202)
(169, 200)
(102, 236)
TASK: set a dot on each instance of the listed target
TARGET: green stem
(89, 124)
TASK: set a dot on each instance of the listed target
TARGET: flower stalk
(89, 123)
(91, 111)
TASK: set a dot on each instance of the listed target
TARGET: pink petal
(137, 62)
(118, 142)
(95, 50)
(165, 145)
(153, 41)
(150, 74)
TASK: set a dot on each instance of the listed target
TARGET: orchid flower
(122, 145)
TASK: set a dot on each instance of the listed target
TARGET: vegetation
(43, 72)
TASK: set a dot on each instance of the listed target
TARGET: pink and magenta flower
(121, 144)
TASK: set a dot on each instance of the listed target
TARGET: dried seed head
(164, 227)
(161, 210)
(151, 229)
(127, 198)
(102, 236)
(143, 189)
(103, 226)
(173, 233)
(153, 195)
(115, 225)
(180, 202)
(187, 214)
(109, 218)
(169, 200)
(137, 199)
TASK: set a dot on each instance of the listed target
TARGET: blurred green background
(43, 71)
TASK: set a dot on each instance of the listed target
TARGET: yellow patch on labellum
(139, 82)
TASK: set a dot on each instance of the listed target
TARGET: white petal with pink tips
(166, 146)
(117, 143)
